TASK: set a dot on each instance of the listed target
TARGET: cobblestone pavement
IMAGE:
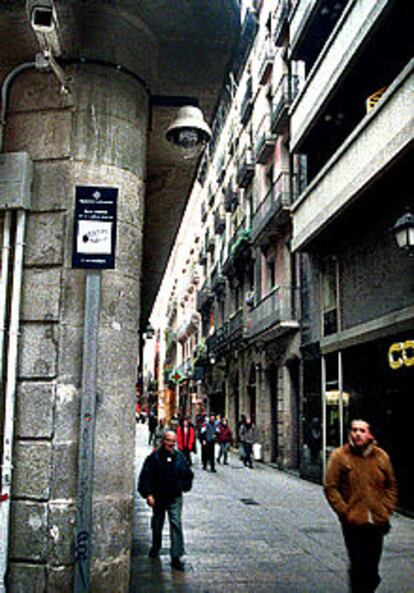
(259, 531)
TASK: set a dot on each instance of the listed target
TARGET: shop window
(329, 296)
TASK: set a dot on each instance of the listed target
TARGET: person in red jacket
(186, 438)
(224, 439)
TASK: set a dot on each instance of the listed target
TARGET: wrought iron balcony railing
(280, 21)
(275, 203)
(236, 327)
(247, 103)
(265, 59)
(245, 171)
(276, 310)
(282, 99)
(231, 199)
(219, 221)
(265, 140)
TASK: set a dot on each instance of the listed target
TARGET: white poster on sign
(94, 237)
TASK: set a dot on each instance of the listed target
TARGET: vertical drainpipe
(11, 377)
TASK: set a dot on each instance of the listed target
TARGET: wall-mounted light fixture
(403, 230)
(149, 331)
(189, 131)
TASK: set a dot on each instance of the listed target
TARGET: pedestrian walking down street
(164, 477)
(248, 435)
(240, 424)
(159, 434)
(208, 440)
(361, 488)
(224, 439)
(186, 439)
(152, 425)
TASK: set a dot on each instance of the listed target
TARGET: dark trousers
(174, 509)
(248, 450)
(364, 546)
(207, 455)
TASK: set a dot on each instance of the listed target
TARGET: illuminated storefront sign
(401, 354)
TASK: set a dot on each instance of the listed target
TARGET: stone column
(98, 136)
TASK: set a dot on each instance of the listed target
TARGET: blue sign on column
(94, 232)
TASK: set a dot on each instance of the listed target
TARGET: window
(270, 272)
(329, 296)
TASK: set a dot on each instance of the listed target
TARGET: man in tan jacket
(360, 486)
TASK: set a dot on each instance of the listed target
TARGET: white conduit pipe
(5, 257)
(10, 395)
(10, 399)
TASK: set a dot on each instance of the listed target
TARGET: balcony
(219, 221)
(202, 170)
(170, 342)
(280, 21)
(273, 210)
(311, 23)
(202, 257)
(239, 254)
(217, 281)
(273, 316)
(236, 327)
(210, 243)
(379, 139)
(172, 311)
(247, 103)
(265, 59)
(283, 97)
(231, 199)
(344, 44)
(205, 298)
(204, 212)
(265, 141)
(217, 342)
(245, 171)
(211, 196)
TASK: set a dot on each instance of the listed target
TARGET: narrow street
(258, 531)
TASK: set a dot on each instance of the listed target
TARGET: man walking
(164, 477)
(208, 440)
(360, 487)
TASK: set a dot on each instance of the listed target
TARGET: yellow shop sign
(401, 354)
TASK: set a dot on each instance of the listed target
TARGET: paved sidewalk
(259, 531)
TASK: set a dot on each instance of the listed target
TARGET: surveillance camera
(42, 15)
(189, 131)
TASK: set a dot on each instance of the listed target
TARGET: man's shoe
(153, 553)
(214, 471)
(177, 564)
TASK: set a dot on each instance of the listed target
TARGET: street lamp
(404, 232)
(149, 331)
(189, 131)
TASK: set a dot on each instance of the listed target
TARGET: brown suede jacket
(361, 486)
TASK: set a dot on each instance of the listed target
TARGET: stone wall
(97, 135)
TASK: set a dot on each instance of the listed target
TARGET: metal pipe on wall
(10, 395)
(10, 392)
(5, 258)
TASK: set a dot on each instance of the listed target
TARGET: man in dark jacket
(360, 487)
(165, 475)
(208, 439)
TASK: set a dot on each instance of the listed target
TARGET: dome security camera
(189, 131)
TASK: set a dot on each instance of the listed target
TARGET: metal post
(87, 429)
(324, 427)
(340, 400)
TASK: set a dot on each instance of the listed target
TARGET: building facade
(305, 300)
